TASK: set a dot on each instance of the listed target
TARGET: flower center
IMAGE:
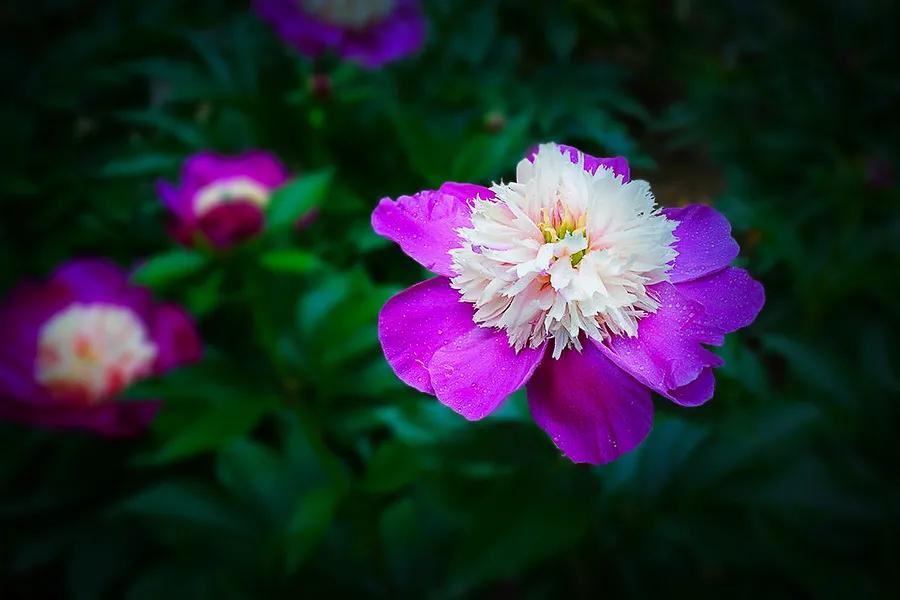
(235, 189)
(353, 14)
(562, 252)
(88, 353)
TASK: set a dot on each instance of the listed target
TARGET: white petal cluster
(232, 189)
(92, 351)
(561, 251)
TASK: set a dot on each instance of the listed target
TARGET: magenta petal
(401, 34)
(668, 353)
(704, 242)
(16, 382)
(112, 419)
(99, 280)
(180, 205)
(592, 410)
(618, 164)
(418, 321)
(175, 335)
(474, 373)
(696, 392)
(731, 297)
(425, 225)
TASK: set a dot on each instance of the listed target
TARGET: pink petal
(474, 373)
(668, 352)
(731, 297)
(591, 409)
(704, 242)
(417, 322)
(425, 225)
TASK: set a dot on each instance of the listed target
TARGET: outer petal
(308, 35)
(425, 225)
(175, 335)
(474, 373)
(178, 203)
(416, 323)
(618, 164)
(591, 409)
(100, 280)
(668, 354)
(731, 298)
(22, 315)
(704, 242)
(113, 419)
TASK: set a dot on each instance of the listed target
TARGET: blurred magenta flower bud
(222, 199)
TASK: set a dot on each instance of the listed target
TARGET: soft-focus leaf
(296, 199)
(165, 269)
(290, 261)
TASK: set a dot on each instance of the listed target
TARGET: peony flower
(222, 199)
(572, 282)
(73, 343)
(371, 32)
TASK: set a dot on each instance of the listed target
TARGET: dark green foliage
(292, 463)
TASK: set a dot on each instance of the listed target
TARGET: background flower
(371, 32)
(73, 343)
(222, 199)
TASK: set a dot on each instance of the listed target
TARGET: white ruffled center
(233, 189)
(90, 352)
(561, 252)
(353, 14)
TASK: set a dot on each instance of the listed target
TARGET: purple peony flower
(570, 280)
(72, 343)
(222, 199)
(371, 32)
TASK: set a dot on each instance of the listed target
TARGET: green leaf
(290, 261)
(484, 156)
(309, 522)
(297, 198)
(394, 465)
(213, 429)
(142, 165)
(164, 269)
(181, 502)
(184, 131)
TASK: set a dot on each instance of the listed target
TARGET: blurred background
(291, 461)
